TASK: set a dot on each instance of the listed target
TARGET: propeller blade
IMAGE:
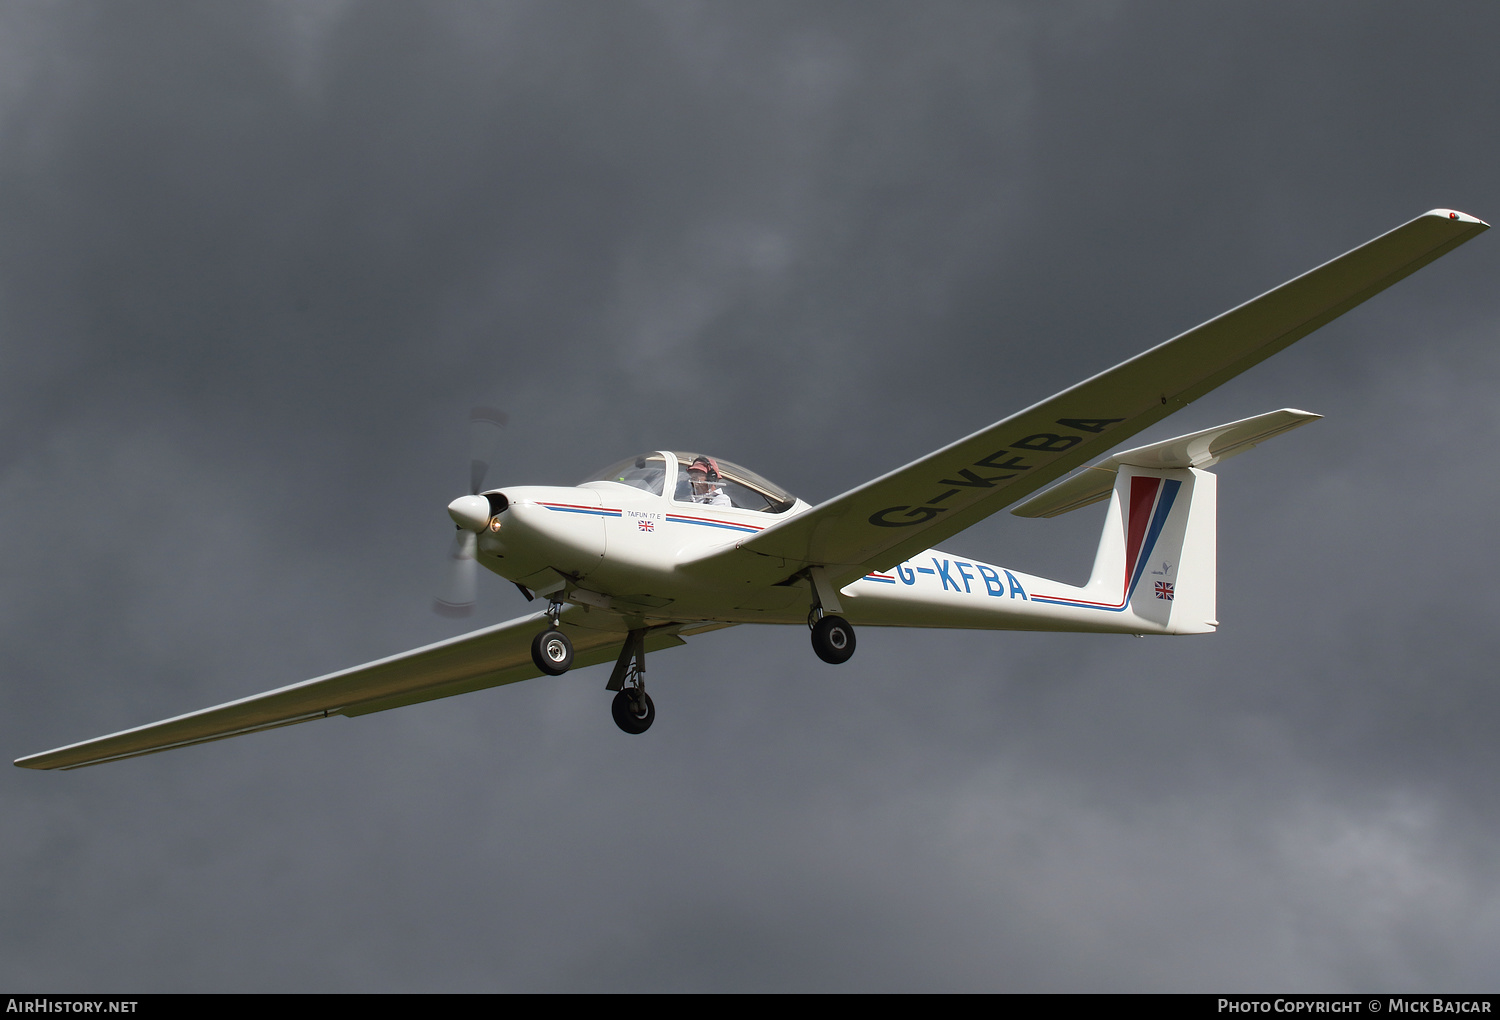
(470, 513)
(485, 424)
(463, 578)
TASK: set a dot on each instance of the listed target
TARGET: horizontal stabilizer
(1197, 450)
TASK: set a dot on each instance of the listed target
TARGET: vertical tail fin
(1159, 550)
(1158, 557)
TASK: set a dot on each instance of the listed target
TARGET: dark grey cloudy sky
(257, 260)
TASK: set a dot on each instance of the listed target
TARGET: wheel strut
(632, 708)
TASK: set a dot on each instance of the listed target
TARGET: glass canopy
(745, 489)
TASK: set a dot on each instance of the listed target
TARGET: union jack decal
(1164, 590)
(646, 525)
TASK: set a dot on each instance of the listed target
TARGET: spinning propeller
(471, 513)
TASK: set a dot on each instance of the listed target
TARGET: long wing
(882, 522)
(486, 658)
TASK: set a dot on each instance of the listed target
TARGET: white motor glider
(667, 545)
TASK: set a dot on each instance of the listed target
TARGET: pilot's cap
(707, 465)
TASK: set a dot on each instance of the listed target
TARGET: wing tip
(1297, 412)
(1460, 217)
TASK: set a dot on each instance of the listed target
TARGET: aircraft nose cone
(471, 513)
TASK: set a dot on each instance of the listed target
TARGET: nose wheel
(552, 652)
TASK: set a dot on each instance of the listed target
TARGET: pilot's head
(704, 474)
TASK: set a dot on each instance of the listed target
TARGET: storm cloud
(257, 261)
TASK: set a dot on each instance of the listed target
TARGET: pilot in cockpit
(707, 486)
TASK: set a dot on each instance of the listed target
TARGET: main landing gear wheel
(833, 639)
(552, 652)
(633, 710)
